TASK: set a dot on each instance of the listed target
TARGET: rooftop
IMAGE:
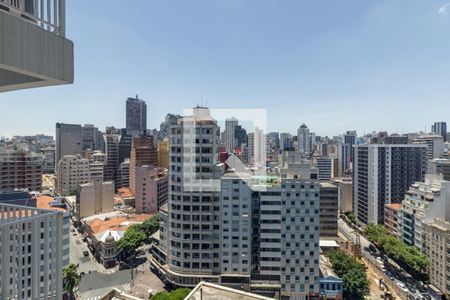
(394, 206)
(118, 223)
(206, 290)
(49, 202)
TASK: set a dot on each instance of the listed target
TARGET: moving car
(85, 253)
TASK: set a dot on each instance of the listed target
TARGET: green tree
(407, 256)
(352, 218)
(352, 272)
(178, 294)
(71, 280)
(150, 226)
(131, 240)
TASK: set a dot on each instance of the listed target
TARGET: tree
(131, 240)
(178, 294)
(352, 272)
(150, 226)
(409, 257)
(352, 218)
(71, 279)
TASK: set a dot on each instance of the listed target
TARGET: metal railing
(47, 14)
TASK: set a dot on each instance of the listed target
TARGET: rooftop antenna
(137, 97)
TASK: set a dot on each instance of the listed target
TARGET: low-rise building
(391, 217)
(331, 286)
(105, 230)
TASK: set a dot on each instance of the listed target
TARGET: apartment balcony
(34, 51)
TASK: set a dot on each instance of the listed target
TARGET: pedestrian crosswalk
(126, 287)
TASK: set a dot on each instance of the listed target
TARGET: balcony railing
(47, 14)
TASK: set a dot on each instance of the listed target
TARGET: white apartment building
(31, 253)
(257, 148)
(325, 167)
(94, 198)
(72, 170)
(423, 201)
(194, 192)
(435, 144)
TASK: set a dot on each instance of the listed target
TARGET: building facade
(136, 115)
(36, 272)
(20, 169)
(392, 218)
(94, 198)
(151, 189)
(68, 140)
(382, 174)
(72, 171)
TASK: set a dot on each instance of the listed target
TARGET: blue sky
(334, 65)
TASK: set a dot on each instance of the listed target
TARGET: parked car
(402, 286)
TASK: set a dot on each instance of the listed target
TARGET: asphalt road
(349, 234)
(94, 285)
(77, 246)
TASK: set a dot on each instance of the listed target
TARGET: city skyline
(358, 68)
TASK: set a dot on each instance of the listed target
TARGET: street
(398, 278)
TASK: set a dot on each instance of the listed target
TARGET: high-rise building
(20, 169)
(382, 174)
(72, 170)
(440, 128)
(163, 154)
(48, 160)
(124, 174)
(124, 146)
(304, 139)
(136, 116)
(31, 252)
(151, 189)
(89, 137)
(164, 126)
(439, 166)
(257, 148)
(193, 217)
(112, 139)
(68, 140)
(286, 141)
(435, 145)
(325, 167)
(350, 139)
(329, 207)
(143, 152)
(423, 201)
(300, 227)
(344, 158)
(229, 134)
(240, 136)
